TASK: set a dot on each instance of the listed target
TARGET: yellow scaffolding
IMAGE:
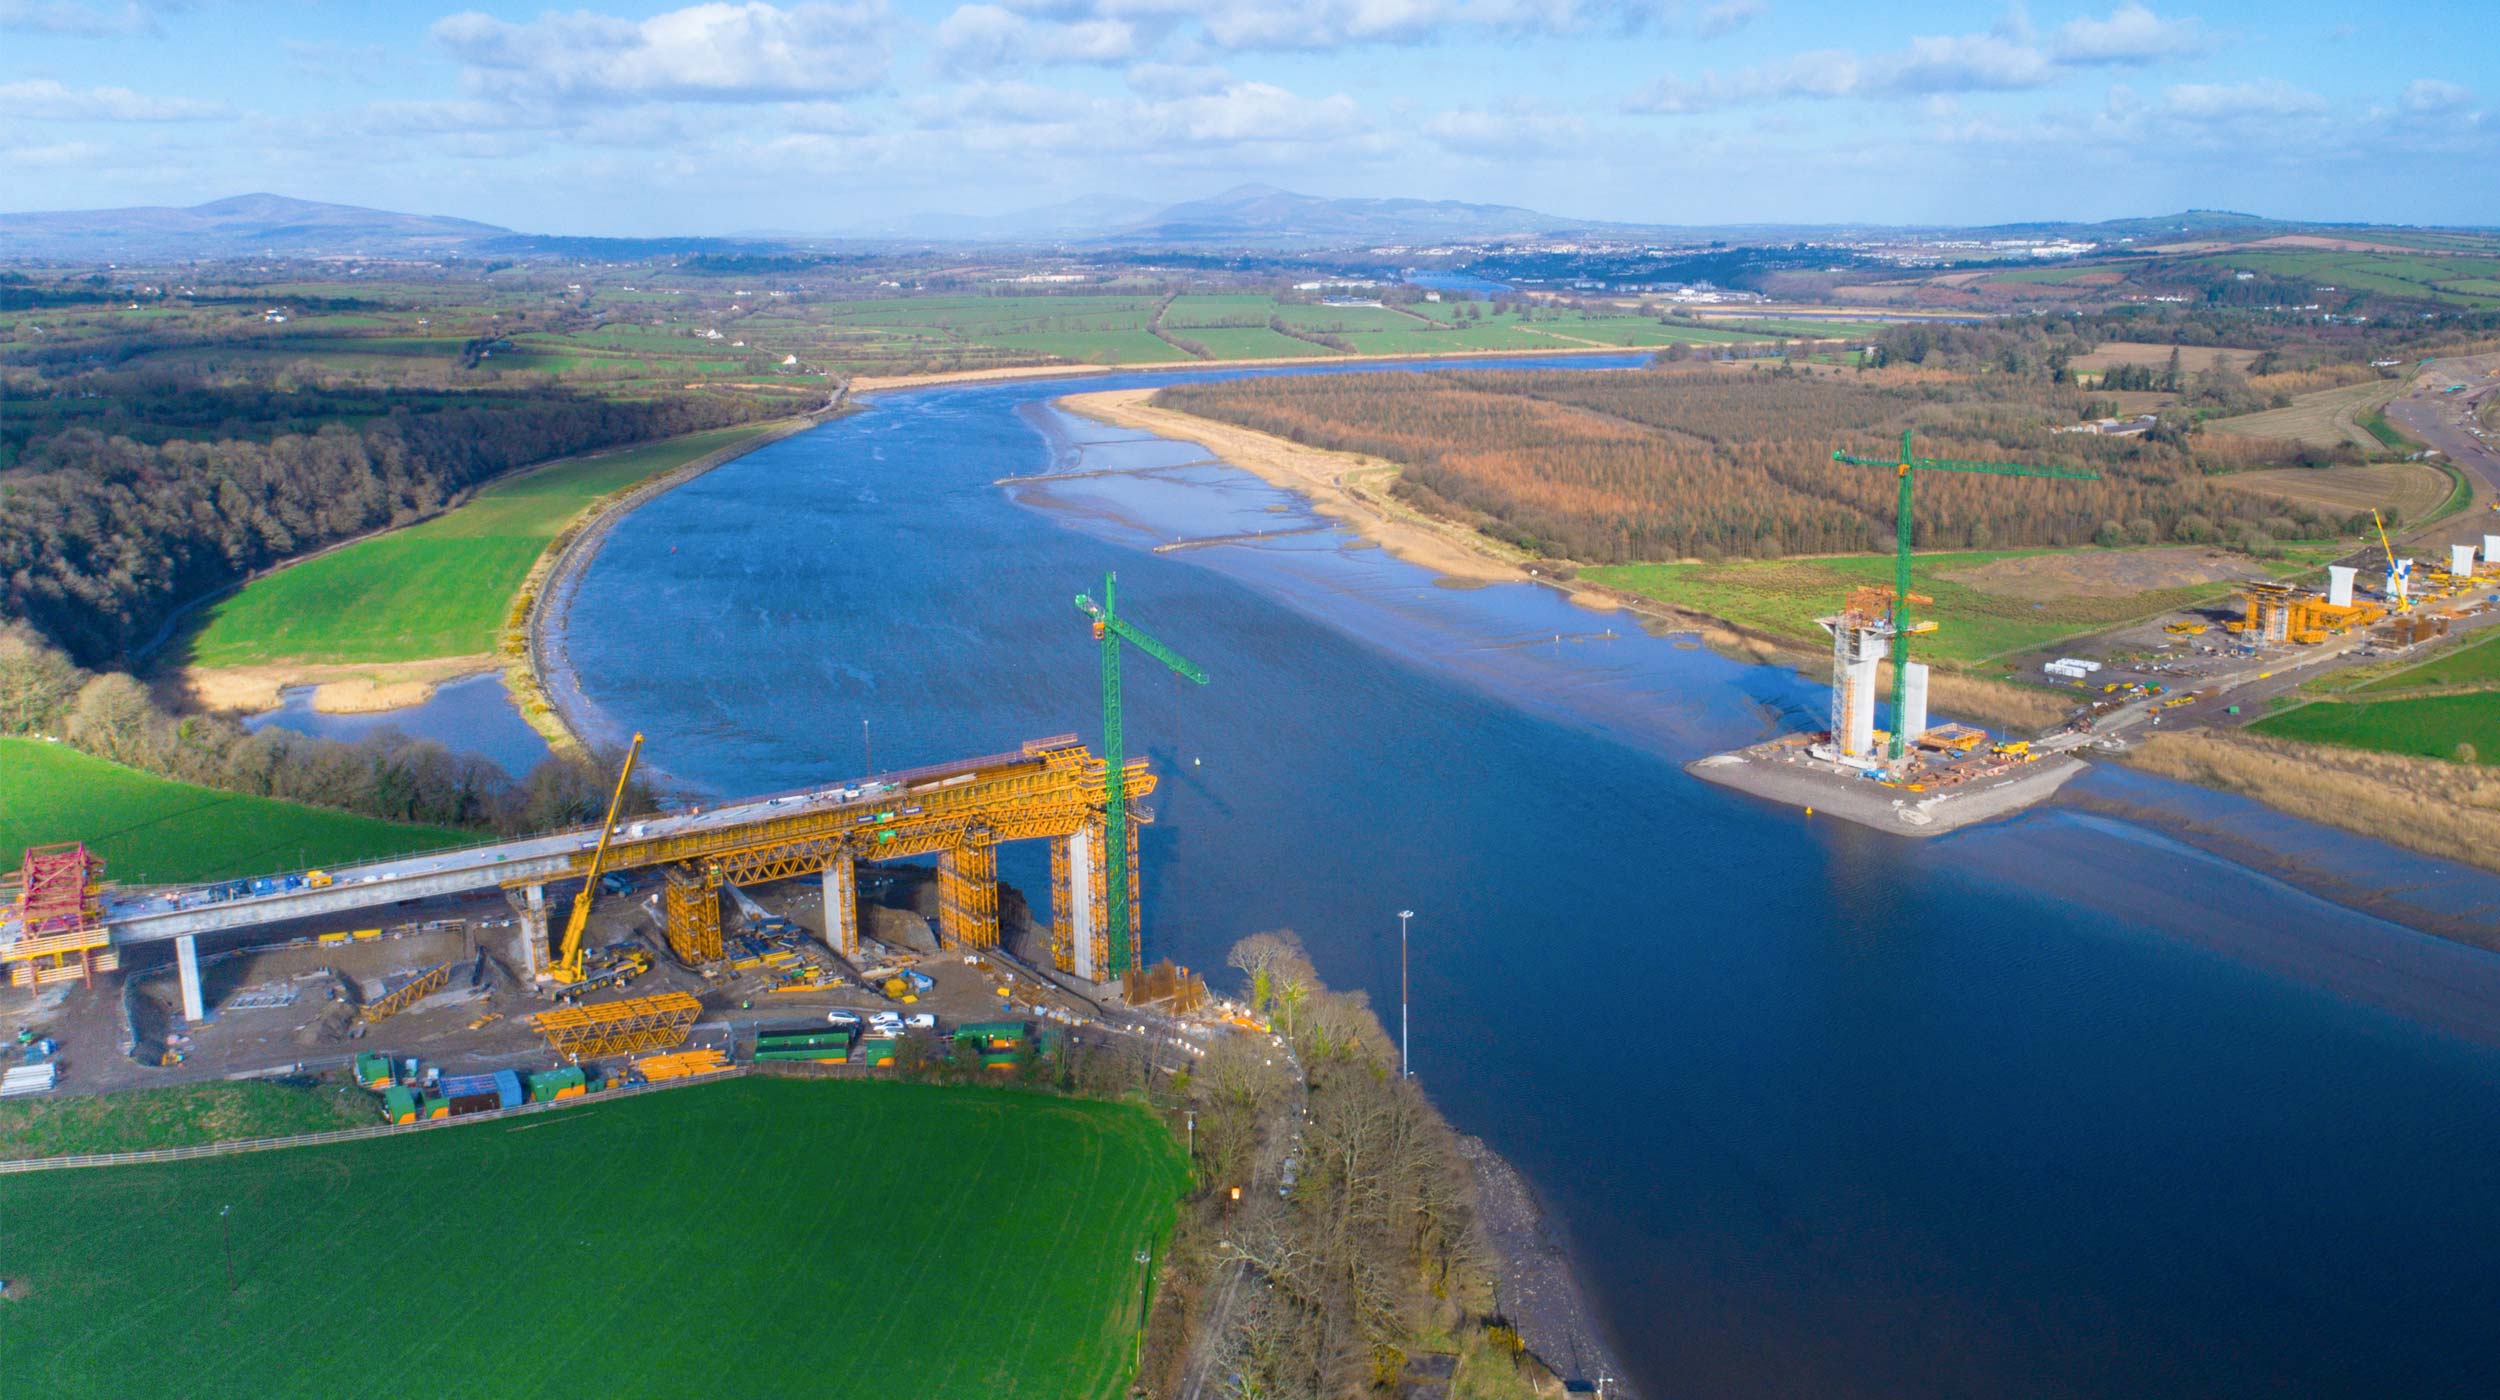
(619, 1027)
(692, 905)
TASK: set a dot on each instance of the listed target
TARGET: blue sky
(712, 118)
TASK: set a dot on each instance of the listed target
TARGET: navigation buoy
(1809, 811)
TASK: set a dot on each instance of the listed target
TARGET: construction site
(1919, 777)
(866, 909)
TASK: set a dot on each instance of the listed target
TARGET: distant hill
(238, 227)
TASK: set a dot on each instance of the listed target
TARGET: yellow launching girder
(619, 1027)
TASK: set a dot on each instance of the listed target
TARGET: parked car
(842, 1018)
(886, 1021)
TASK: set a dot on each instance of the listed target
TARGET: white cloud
(982, 38)
(750, 52)
(1728, 16)
(1962, 63)
(1327, 24)
(44, 99)
(1515, 130)
(58, 154)
(2431, 95)
(1936, 63)
(2223, 102)
(2131, 35)
(1177, 80)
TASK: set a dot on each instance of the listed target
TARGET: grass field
(152, 830)
(754, 1237)
(2429, 726)
(2414, 489)
(2325, 418)
(440, 588)
(177, 1115)
(2474, 663)
(1784, 596)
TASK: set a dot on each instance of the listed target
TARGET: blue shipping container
(508, 1088)
(453, 1086)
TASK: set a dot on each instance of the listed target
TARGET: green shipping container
(373, 1071)
(398, 1105)
(792, 1040)
(834, 1053)
(873, 1052)
(992, 1033)
(548, 1085)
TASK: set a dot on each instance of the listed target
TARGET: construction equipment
(568, 964)
(684, 1064)
(1907, 468)
(618, 1027)
(1111, 629)
(2399, 571)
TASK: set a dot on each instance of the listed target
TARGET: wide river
(2053, 1107)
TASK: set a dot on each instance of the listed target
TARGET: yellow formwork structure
(683, 1064)
(619, 1027)
(1051, 789)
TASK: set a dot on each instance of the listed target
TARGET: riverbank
(536, 667)
(868, 384)
(377, 623)
(1539, 1291)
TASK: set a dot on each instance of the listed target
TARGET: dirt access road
(2446, 421)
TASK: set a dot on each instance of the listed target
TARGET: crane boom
(568, 963)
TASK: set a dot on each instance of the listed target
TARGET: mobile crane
(567, 969)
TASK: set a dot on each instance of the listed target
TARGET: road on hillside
(2446, 421)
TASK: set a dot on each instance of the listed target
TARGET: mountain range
(1248, 216)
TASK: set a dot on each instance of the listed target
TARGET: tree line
(1668, 464)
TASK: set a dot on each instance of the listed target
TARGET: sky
(831, 115)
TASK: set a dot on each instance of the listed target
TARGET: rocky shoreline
(1540, 1293)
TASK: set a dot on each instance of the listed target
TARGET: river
(2054, 1107)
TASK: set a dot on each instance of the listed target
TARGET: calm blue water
(472, 714)
(2054, 1107)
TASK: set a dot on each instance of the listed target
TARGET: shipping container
(508, 1091)
(435, 1106)
(399, 1105)
(462, 1104)
(833, 1053)
(791, 1040)
(993, 1035)
(873, 1051)
(373, 1071)
(459, 1085)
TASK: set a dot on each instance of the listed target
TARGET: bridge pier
(1076, 901)
(842, 905)
(534, 949)
(691, 914)
(187, 961)
(968, 893)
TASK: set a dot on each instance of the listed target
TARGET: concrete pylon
(534, 930)
(1913, 716)
(842, 905)
(1084, 913)
(2461, 561)
(187, 961)
(2339, 579)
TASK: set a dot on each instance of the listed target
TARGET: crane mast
(1111, 629)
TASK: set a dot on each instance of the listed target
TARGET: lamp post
(867, 756)
(1405, 1065)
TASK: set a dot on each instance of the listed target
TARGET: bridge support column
(187, 960)
(1076, 902)
(968, 894)
(842, 905)
(534, 930)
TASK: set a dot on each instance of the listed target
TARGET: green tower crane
(1908, 466)
(1112, 629)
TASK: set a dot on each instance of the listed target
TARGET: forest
(1713, 463)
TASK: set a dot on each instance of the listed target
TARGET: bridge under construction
(63, 922)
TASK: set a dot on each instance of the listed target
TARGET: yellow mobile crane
(2397, 574)
(568, 964)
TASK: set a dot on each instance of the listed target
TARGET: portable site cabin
(399, 1105)
(873, 1050)
(549, 1085)
(373, 1071)
(993, 1035)
(831, 1046)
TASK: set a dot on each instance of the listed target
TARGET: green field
(177, 1115)
(153, 830)
(440, 588)
(1784, 596)
(755, 1237)
(2458, 281)
(2474, 663)
(2429, 726)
